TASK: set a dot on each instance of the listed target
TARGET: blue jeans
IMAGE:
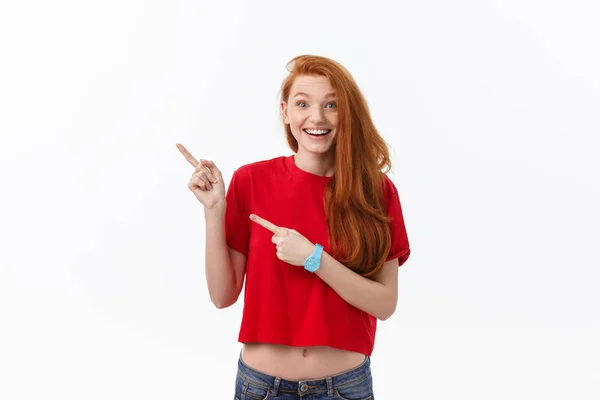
(355, 384)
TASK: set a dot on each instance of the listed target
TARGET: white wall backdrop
(490, 108)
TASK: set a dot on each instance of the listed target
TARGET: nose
(316, 115)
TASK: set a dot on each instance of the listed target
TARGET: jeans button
(304, 388)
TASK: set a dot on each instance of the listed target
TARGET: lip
(318, 128)
(317, 137)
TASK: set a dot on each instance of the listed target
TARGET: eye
(301, 104)
(332, 104)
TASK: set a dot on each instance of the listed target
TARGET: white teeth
(317, 131)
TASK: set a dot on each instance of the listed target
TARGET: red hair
(353, 198)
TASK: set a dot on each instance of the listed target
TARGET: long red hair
(357, 223)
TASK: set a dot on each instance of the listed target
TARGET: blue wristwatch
(313, 262)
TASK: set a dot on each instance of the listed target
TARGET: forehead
(313, 85)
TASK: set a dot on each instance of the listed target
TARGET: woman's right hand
(206, 182)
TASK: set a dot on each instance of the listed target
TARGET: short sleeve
(237, 226)
(400, 247)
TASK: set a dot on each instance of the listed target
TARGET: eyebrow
(307, 95)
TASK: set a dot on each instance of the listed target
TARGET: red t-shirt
(285, 304)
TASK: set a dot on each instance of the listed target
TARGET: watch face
(310, 263)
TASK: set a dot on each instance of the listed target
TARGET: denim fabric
(355, 384)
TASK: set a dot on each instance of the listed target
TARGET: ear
(284, 115)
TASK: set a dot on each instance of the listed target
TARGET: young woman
(318, 237)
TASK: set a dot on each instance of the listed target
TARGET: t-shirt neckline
(300, 173)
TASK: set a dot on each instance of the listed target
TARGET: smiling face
(312, 114)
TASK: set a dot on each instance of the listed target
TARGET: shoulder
(260, 167)
(389, 188)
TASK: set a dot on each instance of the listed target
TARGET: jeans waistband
(325, 384)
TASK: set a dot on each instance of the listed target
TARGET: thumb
(211, 167)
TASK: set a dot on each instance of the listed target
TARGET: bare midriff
(299, 363)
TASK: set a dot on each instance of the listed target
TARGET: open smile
(317, 132)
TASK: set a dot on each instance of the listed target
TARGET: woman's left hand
(292, 247)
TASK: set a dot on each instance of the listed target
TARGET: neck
(318, 164)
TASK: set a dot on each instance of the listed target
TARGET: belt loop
(329, 386)
(276, 386)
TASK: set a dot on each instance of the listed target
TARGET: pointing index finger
(264, 223)
(188, 156)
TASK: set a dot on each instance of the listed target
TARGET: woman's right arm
(225, 267)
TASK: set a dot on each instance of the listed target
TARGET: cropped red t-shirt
(285, 304)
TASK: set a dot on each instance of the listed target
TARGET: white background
(490, 109)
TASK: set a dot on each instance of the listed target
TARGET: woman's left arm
(377, 297)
